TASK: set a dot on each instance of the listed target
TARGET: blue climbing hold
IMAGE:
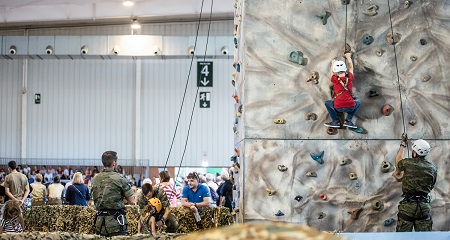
(236, 120)
(318, 157)
(388, 222)
(367, 39)
(238, 67)
(235, 43)
(279, 213)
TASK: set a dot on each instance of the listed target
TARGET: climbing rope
(345, 38)
(398, 76)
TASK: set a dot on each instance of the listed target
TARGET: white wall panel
(163, 84)
(10, 101)
(86, 108)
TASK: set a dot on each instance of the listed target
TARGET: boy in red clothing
(343, 100)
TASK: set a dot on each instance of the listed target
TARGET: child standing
(11, 219)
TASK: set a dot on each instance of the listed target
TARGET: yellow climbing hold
(279, 121)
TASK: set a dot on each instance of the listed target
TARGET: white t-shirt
(49, 176)
(55, 190)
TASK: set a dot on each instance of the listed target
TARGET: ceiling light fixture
(135, 24)
(128, 3)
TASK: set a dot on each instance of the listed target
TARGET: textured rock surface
(271, 87)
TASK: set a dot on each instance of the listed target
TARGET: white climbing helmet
(339, 66)
(421, 147)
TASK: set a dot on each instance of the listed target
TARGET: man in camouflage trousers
(418, 177)
(109, 189)
(149, 192)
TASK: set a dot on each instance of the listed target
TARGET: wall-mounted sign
(204, 74)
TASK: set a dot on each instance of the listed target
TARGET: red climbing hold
(386, 110)
(323, 196)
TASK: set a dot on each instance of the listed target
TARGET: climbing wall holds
(233, 75)
(412, 122)
(389, 222)
(367, 39)
(279, 121)
(345, 2)
(279, 213)
(343, 161)
(379, 52)
(237, 66)
(423, 42)
(323, 196)
(385, 166)
(233, 158)
(298, 198)
(386, 109)
(314, 77)
(371, 11)
(236, 120)
(407, 4)
(311, 116)
(321, 215)
(413, 58)
(376, 205)
(354, 212)
(318, 157)
(392, 39)
(311, 174)
(235, 43)
(240, 108)
(426, 78)
(353, 176)
(237, 151)
(332, 131)
(282, 168)
(324, 17)
(235, 130)
(236, 98)
(271, 192)
(373, 93)
(235, 29)
(297, 57)
(239, 114)
(233, 82)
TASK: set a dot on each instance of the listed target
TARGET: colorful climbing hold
(233, 75)
(311, 174)
(235, 43)
(385, 166)
(389, 222)
(323, 196)
(332, 131)
(233, 158)
(279, 213)
(321, 215)
(298, 198)
(426, 78)
(367, 39)
(392, 39)
(235, 29)
(352, 176)
(386, 109)
(373, 93)
(239, 114)
(413, 58)
(279, 121)
(324, 17)
(314, 77)
(412, 122)
(236, 98)
(377, 205)
(407, 4)
(371, 11)
(297, 57)
(271, 192)
(354, 212)
(343, 161)
(282, 168)
(240, 108)
(379, 52)
(318, 157)
(237, 151)
(311, 116)
(237, 66)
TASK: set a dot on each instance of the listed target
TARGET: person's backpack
(214, 195)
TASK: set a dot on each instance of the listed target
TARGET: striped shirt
(11, 225)
(172, 193)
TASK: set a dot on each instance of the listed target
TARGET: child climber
(151, 214)
(11, 219)
(343, 100)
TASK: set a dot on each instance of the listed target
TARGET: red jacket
(345, 99)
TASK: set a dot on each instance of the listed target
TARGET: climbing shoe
(333, 124)
(349, 124)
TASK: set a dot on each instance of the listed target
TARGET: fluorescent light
(128, 3)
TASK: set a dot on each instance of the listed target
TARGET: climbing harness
(118, 215)
(415, 198)
(398, 76)
(344, 86)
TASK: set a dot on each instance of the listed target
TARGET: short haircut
(12, 165)
(38, 177)
(209, 177)
(108, 158)
(56, 179)
(193, 175)
(146, 188)
(225, 175)
(165, 176)
(78, 178)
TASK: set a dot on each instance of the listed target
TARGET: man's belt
(110, 212)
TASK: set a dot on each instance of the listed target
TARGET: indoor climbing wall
(293, 168)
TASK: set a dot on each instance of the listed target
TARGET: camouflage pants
(109, 226)
(416, 210)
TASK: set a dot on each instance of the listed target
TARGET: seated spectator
(55, 192)
(195, 195)
(11, 219)
(49, 176)
(172, 192)
(38, 192)
(77, 193)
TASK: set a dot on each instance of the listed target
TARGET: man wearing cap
(343, 100)
(418, 177)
